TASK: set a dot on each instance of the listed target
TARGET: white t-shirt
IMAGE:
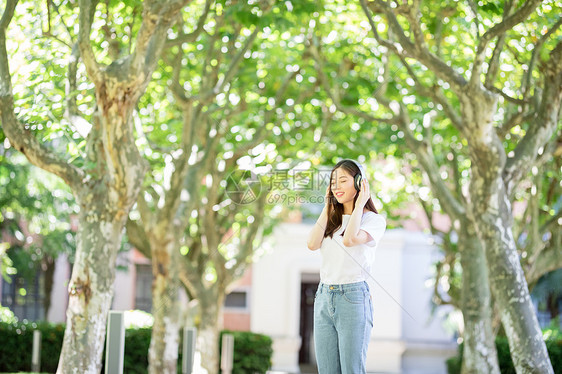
(341, 264)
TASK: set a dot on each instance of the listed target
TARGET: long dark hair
(335, 209)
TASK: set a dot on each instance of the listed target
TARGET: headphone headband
(361, 170)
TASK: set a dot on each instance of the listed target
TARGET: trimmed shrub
(16, 341)
(454, 363)
(252, 352)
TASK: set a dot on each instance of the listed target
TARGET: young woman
(347, 234)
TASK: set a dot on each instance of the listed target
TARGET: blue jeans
(343, 319)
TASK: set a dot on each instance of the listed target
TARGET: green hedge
(16, 340)
(252, 352)
(553, 341)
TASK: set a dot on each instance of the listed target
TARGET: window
(143, 289)
(237, 300)
(25, 297)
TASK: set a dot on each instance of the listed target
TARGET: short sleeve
(375, 225)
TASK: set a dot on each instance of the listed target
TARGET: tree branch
(425, 156)
(474, 9)
(457, 177)
(157, 17)
(20, 137)
(515, 120)
(493, 66)
(192, 36)
(513, 100)
(70, 37)
(71, 112)
(173, 194)
(499, 29)
(531, 66)
(138, 238)
(414, 16)
(84, 43)
(549, 260)
(538, 134)
(7, 16)
(435, 93)
(233, 66)
(519, 16)
(334, 95)
(247, 246)
(419, 52)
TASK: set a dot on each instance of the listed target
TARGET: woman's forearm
(316, 235)
(352, 229)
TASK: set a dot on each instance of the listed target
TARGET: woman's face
(342, 185)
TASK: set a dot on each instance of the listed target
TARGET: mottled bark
(105, 190)
(90, 289)
(479, 355)
(509, 287)
(491, 210)
(209, 329)
(157, 242)
(164, 342)
(479, 350)
(104, 205)
(494, 176)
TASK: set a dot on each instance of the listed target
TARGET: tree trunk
(105, 203)
(164, 342)
(209, 330)
(507, 280)
(90, 291)
(109, 183)
(479, 350)
(490, 209)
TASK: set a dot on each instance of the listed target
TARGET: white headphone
(362, 175)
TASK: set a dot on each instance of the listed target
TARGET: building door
(308, 290)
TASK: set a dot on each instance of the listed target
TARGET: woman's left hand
(364, 194)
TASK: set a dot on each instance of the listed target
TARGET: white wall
(275, 299)
(59, 292)
(428, 345)
(124, 284)
(386, 284)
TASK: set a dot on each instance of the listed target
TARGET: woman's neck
(348, 207)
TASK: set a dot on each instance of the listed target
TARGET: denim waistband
(343, 287)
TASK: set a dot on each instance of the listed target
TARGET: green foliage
(17, 341)
(35, 214)
(352, 65)
(252, 352)
(454, 364)
(137, 342)
(553, 340)
(7, 316)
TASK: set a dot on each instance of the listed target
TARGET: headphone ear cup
(357, 181)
